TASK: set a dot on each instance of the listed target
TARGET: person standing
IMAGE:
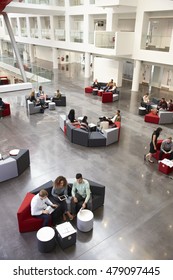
(81, 194)
(166, 148)
(39, 204)
(153, 145)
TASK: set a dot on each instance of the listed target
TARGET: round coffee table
(46, 239)
(85, 220)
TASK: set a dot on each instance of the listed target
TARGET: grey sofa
(13, 166)
(60, 101)
(91, 139)
(165, 117)
(32, 109)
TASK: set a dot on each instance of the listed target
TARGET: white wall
(106, 69)
(41, 52)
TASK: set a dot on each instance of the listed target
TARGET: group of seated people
(162, 104)
(80, 198)
(40, 97)
(104, 122)
(110, 86)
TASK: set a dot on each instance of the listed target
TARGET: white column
(1, 47)
(136, 75)
(109, 20)
(55, 58)
(87, 65)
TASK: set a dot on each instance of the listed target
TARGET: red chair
(107, 97)
(88, 90)
(26, 222)
(151, 118)
(6, 111)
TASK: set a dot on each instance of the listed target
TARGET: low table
(46, 239)
(65, 235)
(51, 105)
(92, 126)
(85, 220)
(166, 166)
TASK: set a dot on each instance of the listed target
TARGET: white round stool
(52, 105)
(46, 239)
(85, 220)
(142, 111)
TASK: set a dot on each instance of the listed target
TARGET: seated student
(40, 91)
(60, 189)
(96, 84)
(145, 102)
(162, 104)
(84, 124)
(57, 94)
(2, 107)
(117, 117)
(166, 148)
(104, 124)
(170, 105)
(39, 204)
(113, 89)
(36, 102)
(71, 117)
(108, 86)
(81, 194)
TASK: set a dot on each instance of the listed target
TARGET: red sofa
(6, 111)
(151, 118)
(4, 80)
(26, 222)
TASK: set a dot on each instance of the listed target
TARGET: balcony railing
(104, 39)
(156, 43)
(59, 34)
(76, 36)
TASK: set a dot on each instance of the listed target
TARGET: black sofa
(97, 190)
(60, 101)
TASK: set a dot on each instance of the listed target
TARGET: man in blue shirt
(81, 194)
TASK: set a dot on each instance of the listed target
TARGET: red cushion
(151, 118)
(88, 90)
(107, 97)
(164, 168)
(6, 111)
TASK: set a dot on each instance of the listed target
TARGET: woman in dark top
(153, 145)
(71, 117)
(60, 189)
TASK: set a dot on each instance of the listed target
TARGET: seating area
(163, 117)
(28, 223)
(106, 97)
(96, 138)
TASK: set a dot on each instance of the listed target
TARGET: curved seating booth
(14, 165)
(27, 223)
(81, 137)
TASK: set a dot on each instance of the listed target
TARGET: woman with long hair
(59, 190)
(153, 145)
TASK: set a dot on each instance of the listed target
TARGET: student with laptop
(43, 208)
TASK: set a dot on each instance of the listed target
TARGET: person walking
(153, 145)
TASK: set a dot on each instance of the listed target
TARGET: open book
(62, 197)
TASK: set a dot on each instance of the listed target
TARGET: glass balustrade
(156, 43)
(104, 39)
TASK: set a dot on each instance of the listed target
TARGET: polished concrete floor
(136, 219)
